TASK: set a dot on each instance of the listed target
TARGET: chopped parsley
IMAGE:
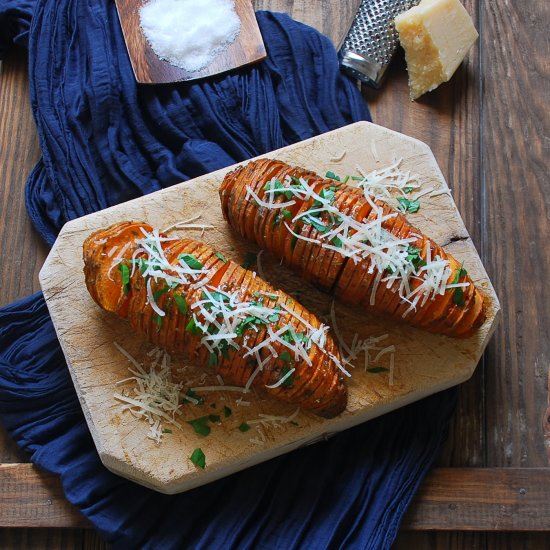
(191, 261)
(181, 303)
(227, 412)
(166, 431)
(286, 213)
(289, 380)
(332, 176)
(408, 205)
(461, 272)
(285, 356)
(312, 217)
(458, 294)
(317, 224)
(337, 242)
(278, 188)
(192, 327)
(159, 292)
(413, 256)
(220, 256)
(125, 273)
(376, 370)
(200, 425)
(244, 427)
(287, 336)
(214, 417)
(198, 458)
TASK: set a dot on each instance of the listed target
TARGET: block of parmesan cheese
(436, 35)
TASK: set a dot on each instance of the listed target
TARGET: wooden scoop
(247, 48)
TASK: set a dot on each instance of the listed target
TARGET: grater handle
(372, 40)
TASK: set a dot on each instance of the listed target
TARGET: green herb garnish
(289, 380)
(244, 427)
(192, 327)
(413, 256)
(458, 297)
(279, 189)
(332, 176)
(287, 336)
(227, 412)
(286, 213)
(408, 205)
(220, 256)
(317, 224)
(408, 190)
(198, 458)
(159, 292)
(212, 359)
(285, 356)
(181, 303)
(214, 417)
(461, 272)
(376, 370)
(158, 320)
(200, 425)
(166, 431)
(191, 261)
(337, 242)
(125, 272)
(458, 294)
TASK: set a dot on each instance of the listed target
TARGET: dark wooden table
(489, 129)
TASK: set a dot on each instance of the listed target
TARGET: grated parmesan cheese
(366, 240)
(153, 397)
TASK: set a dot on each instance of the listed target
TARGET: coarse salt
(189, 33)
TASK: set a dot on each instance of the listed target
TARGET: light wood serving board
(148, 68)
(424, 363)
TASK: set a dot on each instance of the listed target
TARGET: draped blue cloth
(104, 140)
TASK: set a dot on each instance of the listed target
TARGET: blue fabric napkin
(105, 140)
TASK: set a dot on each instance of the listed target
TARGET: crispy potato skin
(319, 388)
(331, 271)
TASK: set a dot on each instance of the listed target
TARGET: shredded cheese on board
(153, 396)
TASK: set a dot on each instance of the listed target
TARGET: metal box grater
(371, 42)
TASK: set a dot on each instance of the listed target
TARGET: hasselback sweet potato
(349, 244)
(189, 299)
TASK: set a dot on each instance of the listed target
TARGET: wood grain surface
(470, 499)
(488, 128)
(148, 68)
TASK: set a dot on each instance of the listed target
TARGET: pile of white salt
(189, 33)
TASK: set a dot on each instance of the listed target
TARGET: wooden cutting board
(424, 363)
(247, 48)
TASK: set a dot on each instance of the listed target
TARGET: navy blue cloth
(348, 492)
(104, 140)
